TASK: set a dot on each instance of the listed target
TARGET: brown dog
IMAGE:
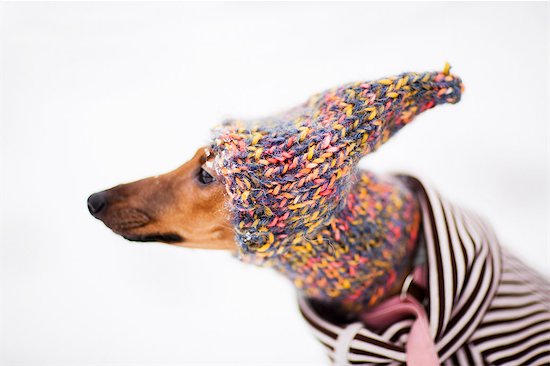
(185, 207)
(460, 298)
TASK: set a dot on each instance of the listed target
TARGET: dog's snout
(97, 203)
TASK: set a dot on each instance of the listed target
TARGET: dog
(387, 270)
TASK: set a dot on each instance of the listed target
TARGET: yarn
(300, 205)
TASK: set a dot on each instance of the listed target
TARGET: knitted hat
(288, 175)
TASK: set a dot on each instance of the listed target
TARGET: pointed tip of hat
(370, 111)
(385, 105)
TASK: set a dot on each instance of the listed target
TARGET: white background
(98, 94)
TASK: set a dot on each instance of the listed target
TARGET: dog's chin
(169, 238)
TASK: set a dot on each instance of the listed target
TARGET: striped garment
(485, 307)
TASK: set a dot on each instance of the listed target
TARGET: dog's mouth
(169, 238)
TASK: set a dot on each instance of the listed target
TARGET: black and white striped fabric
(485, 306)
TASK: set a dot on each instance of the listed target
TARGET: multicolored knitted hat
(289, 177)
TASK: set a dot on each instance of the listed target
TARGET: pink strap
(420, 347)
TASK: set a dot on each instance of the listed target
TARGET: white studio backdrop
(95, 94)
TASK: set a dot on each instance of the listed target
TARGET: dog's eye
(205, 177)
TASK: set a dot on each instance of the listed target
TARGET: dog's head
(185, 207)
(281, 180)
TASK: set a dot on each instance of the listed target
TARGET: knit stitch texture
(299, 204)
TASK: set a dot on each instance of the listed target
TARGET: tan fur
(175, 202)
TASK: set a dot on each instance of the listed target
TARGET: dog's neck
(364, 253)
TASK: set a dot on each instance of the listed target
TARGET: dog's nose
(96, 203)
